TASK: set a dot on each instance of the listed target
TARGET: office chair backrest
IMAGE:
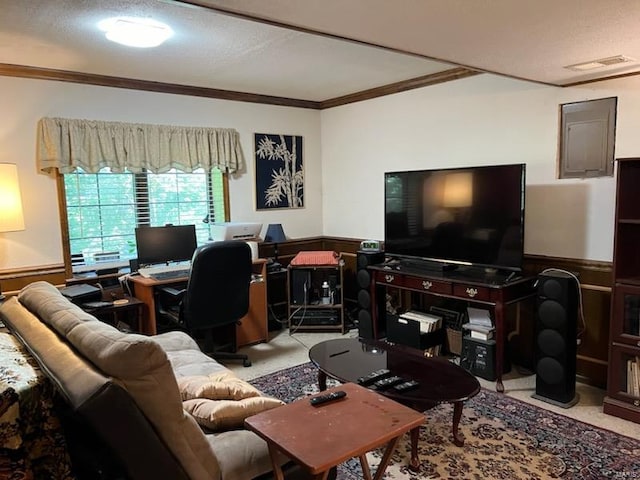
(218, 288)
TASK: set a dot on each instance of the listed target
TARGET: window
(103, 209)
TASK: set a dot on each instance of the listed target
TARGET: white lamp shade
(11, 217)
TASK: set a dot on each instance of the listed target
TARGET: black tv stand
(420, 265)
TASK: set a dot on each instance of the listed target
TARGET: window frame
(64, 222)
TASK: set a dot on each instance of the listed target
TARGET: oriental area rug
(505, 438)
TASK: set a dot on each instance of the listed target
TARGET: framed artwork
(279, 171)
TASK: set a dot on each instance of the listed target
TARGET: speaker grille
(552, 314)
(550, 342)
(364, 317)
(366, 328)
(552, 289)
(556, 327)
(364, 299)
(363, 278)
(551, 371)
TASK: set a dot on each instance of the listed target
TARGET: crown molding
(23, 71)
(10, 70)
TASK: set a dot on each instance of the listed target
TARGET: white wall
(475, 121)
(25, 101)
(479, 120)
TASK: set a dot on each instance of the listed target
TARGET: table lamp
(275, 234)
(11, 217)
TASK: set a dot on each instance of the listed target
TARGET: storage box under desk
(407, 332)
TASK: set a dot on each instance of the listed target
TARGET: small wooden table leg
(382, 466)
(366, 470)
(391, 446)
(457, 415)
(277, 469)
(322, 380)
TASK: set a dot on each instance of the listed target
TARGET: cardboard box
(454, 341)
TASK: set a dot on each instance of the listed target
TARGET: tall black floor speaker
(366, 329)
(556, 338)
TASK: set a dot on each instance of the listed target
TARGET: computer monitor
(171, 243)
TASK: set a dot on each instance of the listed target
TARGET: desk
(319, 438)
(253, 326)
(490, 290)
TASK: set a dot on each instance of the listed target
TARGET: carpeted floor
(505, 438)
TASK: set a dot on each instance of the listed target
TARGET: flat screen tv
(458, 216)
(171, 243)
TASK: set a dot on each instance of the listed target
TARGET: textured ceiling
(208, 49)
(528, 39)
(525, 39)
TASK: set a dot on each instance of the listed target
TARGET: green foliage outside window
(104, 209)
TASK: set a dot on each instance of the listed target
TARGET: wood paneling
(595, 282)
(595, 288)
(11, 281)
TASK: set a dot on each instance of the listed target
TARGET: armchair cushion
(227, 414)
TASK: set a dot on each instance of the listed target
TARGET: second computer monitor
(171, 243)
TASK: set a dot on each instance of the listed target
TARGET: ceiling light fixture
(135, 32)
(603, 62)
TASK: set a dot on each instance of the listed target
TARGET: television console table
(493, 290)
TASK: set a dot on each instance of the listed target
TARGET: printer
(235, 231)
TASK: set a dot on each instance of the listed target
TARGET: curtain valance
(66, 144)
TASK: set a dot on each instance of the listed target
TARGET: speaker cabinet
(300, 286)
(556, 339)
(366, 329)
(133, 265)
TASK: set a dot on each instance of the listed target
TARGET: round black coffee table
(440, 381)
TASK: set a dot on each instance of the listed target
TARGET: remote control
(329, 397)
(388, 382)
(405, 386)
(373, 376)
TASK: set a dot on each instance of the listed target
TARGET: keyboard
(165, 272)
(171, 274)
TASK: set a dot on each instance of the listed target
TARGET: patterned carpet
(504, 439)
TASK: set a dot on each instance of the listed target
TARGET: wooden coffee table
(440, 381)
(321, 437)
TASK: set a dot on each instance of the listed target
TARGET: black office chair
(216, 298)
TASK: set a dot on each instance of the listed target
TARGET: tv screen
(171, 243)
(472, 216)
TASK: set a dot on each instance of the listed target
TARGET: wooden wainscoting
(595, 287)
(595, 282)
(11, 281)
